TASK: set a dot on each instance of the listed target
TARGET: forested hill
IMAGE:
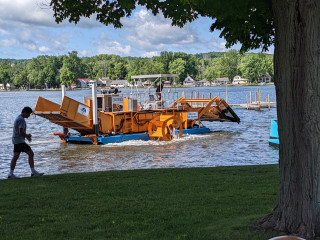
(48, 71)
(210, 55)
(13, 61)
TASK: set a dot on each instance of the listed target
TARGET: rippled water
(228, 144)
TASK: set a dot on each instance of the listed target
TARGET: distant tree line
(52, 71)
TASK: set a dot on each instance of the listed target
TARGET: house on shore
(81, 83)
(138, 83)
(238, 80)
(8, 86)
(147, 83)
(220, 81)
(189, 82)
(104, 82)
(119, 84)
(167, 84)
(101, 82)
(265, 78)
(135, 84)
(204, 83)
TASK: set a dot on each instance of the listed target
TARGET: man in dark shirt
(18, 139)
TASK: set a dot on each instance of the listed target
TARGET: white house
(101, 82)
(146, 83)
(135, 84)
(167, 84)
(119, 83)
(221, 81)
(239, 80)
(188, 81)
(104, 82)
(265, 78)
(204, 83)
(8, 86)
(138, 83)
(90, 82)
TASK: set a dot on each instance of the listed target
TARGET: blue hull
(274, 136)
(127, 137)
(274, 142)
(110, 139)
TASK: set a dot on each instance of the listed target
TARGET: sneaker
(36, 174)
(12, 176)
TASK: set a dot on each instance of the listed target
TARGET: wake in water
(184, 138)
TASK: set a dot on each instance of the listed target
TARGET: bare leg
(31, 161)
(14, 160)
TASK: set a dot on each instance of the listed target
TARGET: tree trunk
(297, 79)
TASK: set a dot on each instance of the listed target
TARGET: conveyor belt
(64, 115)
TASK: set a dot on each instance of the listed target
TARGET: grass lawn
(192, 203)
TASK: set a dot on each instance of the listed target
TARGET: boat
(112, 118)
(274, 136)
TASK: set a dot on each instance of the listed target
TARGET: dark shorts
(21, 147)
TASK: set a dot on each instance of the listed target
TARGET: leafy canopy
(248, 22)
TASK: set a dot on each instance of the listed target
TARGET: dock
(257, 104)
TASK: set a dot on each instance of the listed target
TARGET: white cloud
(114, 47)
(217, 46)
(44, 49)
(85, 53)
(4, 32)
(147, 32)
(30, 46)
(7, 42)
(8, 54)
(25, 12)
(35, 39)
(150, 54)
(28, 28)
(22, 23)
(106, 45)
(36, 13)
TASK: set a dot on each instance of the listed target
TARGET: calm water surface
(228, 144)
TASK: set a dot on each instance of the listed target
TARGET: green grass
(193, 203)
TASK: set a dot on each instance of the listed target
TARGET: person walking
(18, 139)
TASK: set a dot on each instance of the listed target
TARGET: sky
(28, 29)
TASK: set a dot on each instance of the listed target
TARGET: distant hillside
(209, 55)
(13, 61)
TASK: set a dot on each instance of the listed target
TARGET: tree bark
(297, 79)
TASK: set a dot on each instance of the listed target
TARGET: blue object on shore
(127, 137)
(274, 136)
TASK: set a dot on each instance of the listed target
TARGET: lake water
(228, 144)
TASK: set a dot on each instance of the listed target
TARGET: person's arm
(22, 133)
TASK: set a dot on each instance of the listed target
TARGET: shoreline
(172, 87)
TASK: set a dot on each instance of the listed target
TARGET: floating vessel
(110, 118)
(274, 136)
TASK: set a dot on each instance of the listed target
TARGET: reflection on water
(228, 144)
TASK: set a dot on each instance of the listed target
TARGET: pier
(253, 101)
(257, 104)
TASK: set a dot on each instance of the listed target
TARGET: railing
(166, 98)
